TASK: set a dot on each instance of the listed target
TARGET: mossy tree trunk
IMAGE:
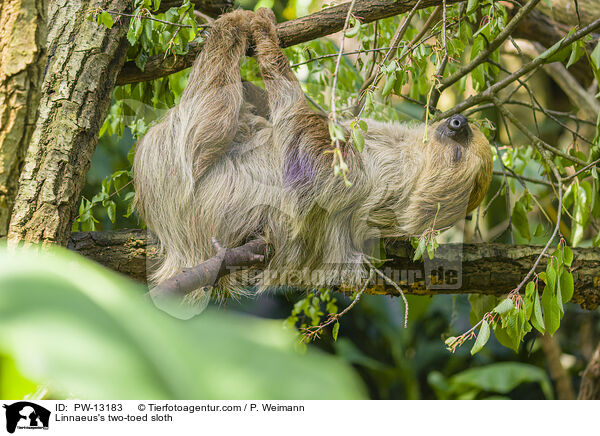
(83, 62)
(22, 60)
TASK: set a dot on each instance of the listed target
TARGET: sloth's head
(433, 183)
(457, 170)
(466, 153)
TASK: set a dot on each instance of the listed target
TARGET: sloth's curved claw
(217, 244)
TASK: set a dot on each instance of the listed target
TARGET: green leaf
(504, 306)
(141, 61)
(552, 310)
(539, 230)
(389, 84)
(551, 276)
(555, 54)
(354, 30)
(96, 337)
(537, 319)
(335, 331)
(478, 77)
(503, 378)
(431, 247)
(111, 211)
(480, 305)
(568, 256)
(530, 291)
(336, 131)
(420, 249)
(134, 31)
(482, 337)
(106, 19)
(566, 285)
(595, 56)
(577, 50)
(472, 6)
(358, 139)
(505, 339)
(520, 221)
(580, 213)
(513, 324)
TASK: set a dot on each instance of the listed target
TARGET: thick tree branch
(212, 8)
(492, 269)
(322, 23)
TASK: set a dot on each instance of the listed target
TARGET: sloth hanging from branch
(240, 164)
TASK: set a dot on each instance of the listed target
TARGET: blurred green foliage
(86, 332)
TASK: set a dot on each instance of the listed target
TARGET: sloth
(235, 162)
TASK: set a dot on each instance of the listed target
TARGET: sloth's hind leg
(296, 125)
(213, 96)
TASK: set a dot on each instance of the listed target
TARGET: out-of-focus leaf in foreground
(88, 333)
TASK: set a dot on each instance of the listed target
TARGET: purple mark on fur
(298, 170)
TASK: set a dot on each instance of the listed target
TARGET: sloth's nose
(455, 128)
(458, 123)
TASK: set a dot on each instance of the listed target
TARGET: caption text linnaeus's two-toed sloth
(234, 162)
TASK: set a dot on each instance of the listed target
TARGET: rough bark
(212, 8)
(22, 59)
(83, 62)
(322, 23)
(492, 269)
(565, 11)
(590, 382)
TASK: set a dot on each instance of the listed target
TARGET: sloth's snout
(458, 123)
(455, 128)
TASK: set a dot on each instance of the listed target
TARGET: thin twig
(436, 93)
(148, 16)
(496, 195)
(587, 167)
(489, 93)
(507, 193)
(524, 178)
(545, 249)
(539, 144)
(497, 42)
(395, 286)
(372, 81)
(311, 333)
